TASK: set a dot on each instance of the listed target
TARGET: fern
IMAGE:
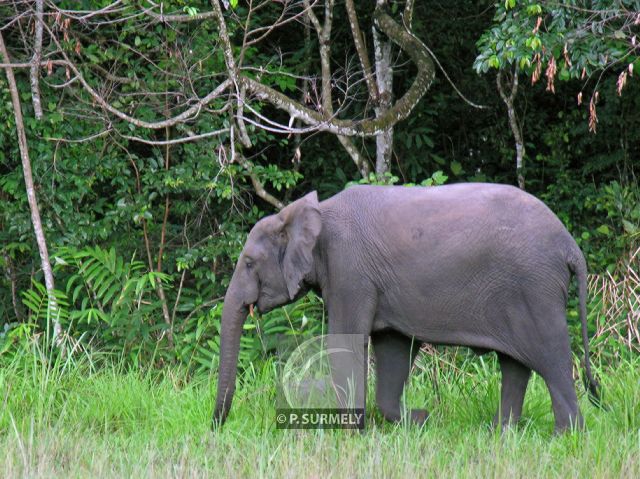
(106, 287)
(45, 306)
(105, 296)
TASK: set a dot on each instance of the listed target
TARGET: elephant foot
(504, 422)
(572, 424)
(415, 416)
(419, 416)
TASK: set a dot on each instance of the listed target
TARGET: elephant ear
(301, 225)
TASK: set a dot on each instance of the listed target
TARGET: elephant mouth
(261, 308)
(266, 302)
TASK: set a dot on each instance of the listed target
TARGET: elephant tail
(578, 266)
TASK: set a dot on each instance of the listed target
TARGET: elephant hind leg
(559, 380)
(394, 356)
(541, 326)
(515, 378)
(554, 364)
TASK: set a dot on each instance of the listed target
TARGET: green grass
(74, 420)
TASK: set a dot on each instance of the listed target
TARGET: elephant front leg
(394, 355)
(515, 377)
(351, 311)
(348, 354)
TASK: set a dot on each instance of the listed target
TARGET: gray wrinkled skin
(480, 265)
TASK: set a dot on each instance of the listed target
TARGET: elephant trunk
(233, 316)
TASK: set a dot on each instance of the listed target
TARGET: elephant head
(275, 259)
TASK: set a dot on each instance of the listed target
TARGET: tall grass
(616, 304)
(69, 418)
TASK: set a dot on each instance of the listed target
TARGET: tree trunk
(31, 192)
(384, 81)
(509, 100)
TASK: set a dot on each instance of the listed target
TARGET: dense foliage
(144, 236)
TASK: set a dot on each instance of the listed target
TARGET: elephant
(482, 265)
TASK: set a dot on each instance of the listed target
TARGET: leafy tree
(568, 40)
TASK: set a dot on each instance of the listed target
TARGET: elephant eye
(249, 264)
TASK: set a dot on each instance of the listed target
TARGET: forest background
(140, 141)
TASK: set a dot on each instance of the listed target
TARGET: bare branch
(356, 155)
(45, 63)
(232, 71)
(361, 49)
(266, 31)
(242, 128)
(414, 48)
(35, 61)
(456, 89)
(177, 18)
(407, 15)
(84, 15)
(80, 140)
(259, 187)
(226, 43)
(176, 141)
(366, 127)
(255, 181)
(187, 114)
(324, 39)
(323, 32)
